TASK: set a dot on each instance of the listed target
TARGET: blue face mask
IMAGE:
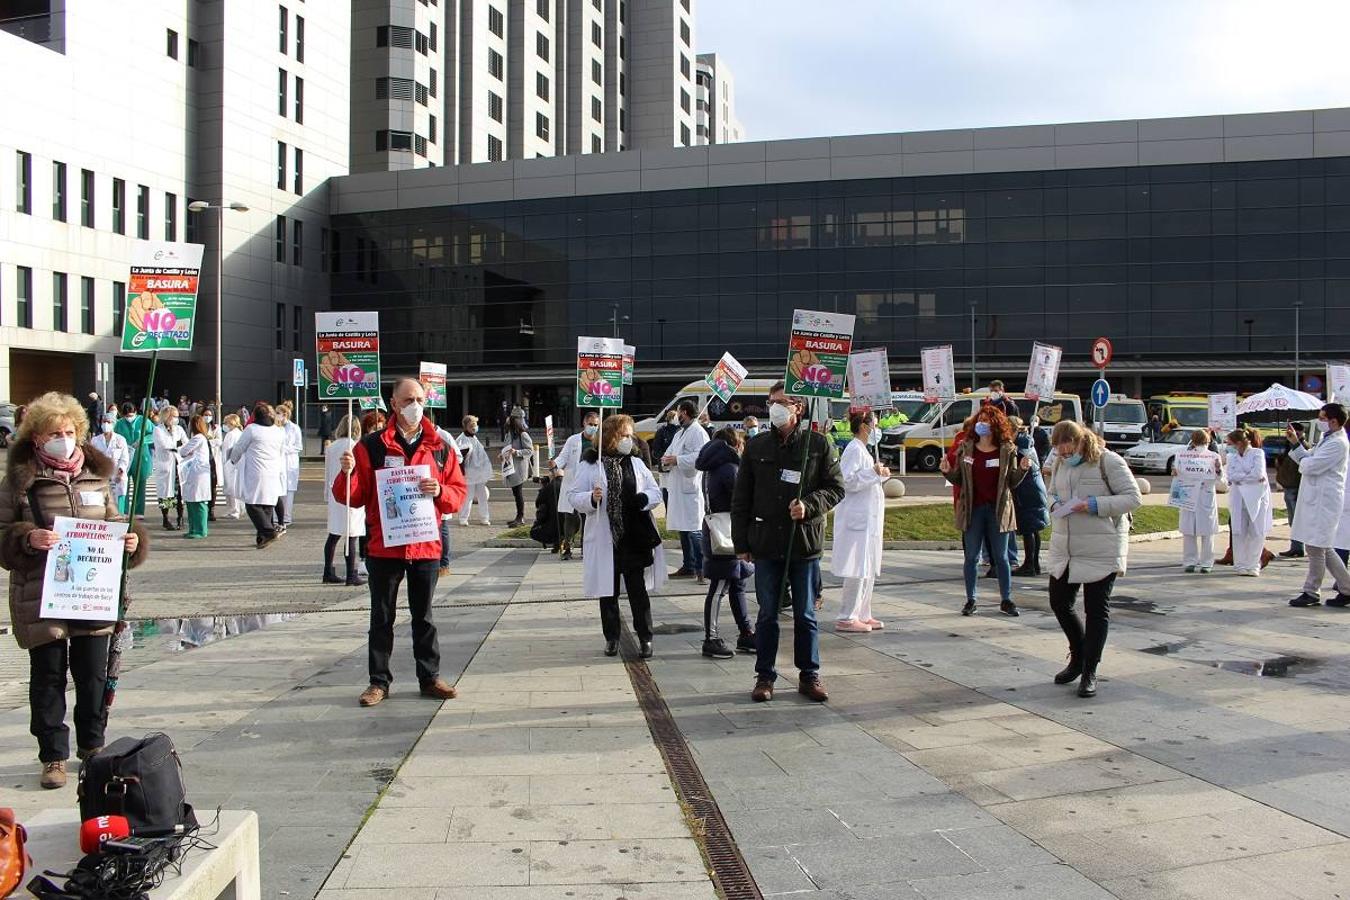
(1075, 460)
(752, 431)
(982, 429)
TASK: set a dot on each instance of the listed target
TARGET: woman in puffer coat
(720, 460)
(1031, 506)
(1092, 495)
(53, 471)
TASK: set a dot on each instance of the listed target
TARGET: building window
(431, 83)
(685, 4)
(394, 36)
(393, 140)
(170, 217)
(299, 100)
(684, 100)
(495, 64)
(623, 47)
(299, 171)
(119, 307)
(431, 129)
(623, 9)
(24, 297)
(494, 107)
(431, 38)
(323, 249)
(59, 191)
(281, 166)
(281, 326)
(684, 65)
(598, 6)
(142, 212)
(171, 43)
(192, 225)
(299, 38)
(684, 135)
(86, 198)
(623, 120)
(541, 126)
(87, 305)
(597, 109)
(542, 8)
(59, 298)
(496, 22)
(119, 209)
(541, 45)
(283, 20)
(281, 92)
(423, 44)
(494, 149)
(597, 145)
(194, 59)
(597, 72)
(684, 32)
(420, 91)
(393, 88)
(297, 242)
(597, 35)
(297, 323)
(541, 85)
(419, 145)
(280, 240)
(24, 169)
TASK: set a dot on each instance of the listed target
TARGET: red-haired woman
(987, 467)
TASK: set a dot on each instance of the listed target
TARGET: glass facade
(1179, 263)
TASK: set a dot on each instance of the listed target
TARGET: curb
(526, 544)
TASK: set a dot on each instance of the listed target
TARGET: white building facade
(716, 105)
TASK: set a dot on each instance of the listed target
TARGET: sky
(807, 68)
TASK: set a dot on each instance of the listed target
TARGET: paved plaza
(1215, 761)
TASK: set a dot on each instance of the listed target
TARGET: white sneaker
(463, 523)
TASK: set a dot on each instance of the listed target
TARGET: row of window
(283, 108)
(406, 89)
(25, 301)
(390, 141)
(283, 39)
(89, 200)
(297, 319)
(298, 156)
(404, 38)
(194, 49)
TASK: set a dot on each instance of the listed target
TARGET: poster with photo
(407, 516)
(939, 373)
(432, 377)
(1043, 371)
(1223, 412)
(161, 296)
(725, 377)
(818, 350)
(869, 380)
(600, 372)
(84, 570)
(348, 349)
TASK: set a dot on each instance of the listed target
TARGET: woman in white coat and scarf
(261, 459)
(1250, 515)
(342, 519)
(617, 492)
(294, 444)
(858, 521)
(477, 472)
(1202, 470)
(167, 438)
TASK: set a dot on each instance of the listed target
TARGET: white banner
(939, 373)
(548, 434)
(407, 516)
(1338, 383)
(869, 380)
(1043, 372)
(1196, 465)
(84, 570)
(1223, 411)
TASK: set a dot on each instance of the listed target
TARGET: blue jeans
(445, 542)
(691, 548)
(984, 527)
(1012, 553)
(1290, 503)
(802, 576)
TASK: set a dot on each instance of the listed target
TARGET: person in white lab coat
(294, 444)
(213, 442)
(684, 489)
(115, 447)
(858, 522)
(342, 519)
(1249, 508)
(565, 464)
(1322, 506)
(617, 492)
(260, 456)
(477, 472)
(194, 477)
(231, 430)
(167, 438)
(446, 518)
(1198, 526)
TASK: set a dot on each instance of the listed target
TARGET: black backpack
(141, 779)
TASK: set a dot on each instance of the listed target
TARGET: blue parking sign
(1101, 392)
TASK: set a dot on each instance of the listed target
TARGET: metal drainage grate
(730, 873)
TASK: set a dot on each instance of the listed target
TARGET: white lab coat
(1249, 508)
(165, 469)
(567, 461)
(597, 575)
(477, 463)
(229, 480)
(684, 483)
(1321, 493)
(295, 443)
(214, 440)
(859, 516)
(1342, 541)
(115, 447)
(194, 470)
(340, 516)
(260, 456)
(1205, 518)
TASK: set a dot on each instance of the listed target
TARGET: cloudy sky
(807, 67)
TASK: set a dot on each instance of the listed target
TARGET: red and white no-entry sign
(1101, 352)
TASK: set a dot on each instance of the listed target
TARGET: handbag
(14, 858)
(141, 779)
(719, 534)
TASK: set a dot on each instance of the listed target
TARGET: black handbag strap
(40, 518)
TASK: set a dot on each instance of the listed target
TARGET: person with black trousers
(1032, 507)
(720, 460)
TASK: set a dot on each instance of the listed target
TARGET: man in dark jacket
(1288, 477)
(789, 480)
(997, 397)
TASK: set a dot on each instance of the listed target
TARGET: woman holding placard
(53, 472)
(194, 476)
(1199, 469)
(168, 437)
(617, 491)
(342, 519)
(1250, 515)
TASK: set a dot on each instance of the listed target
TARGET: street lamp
(973, 385)
(614, 319)
(1249, 323)
(201, 206)
(1298, 381)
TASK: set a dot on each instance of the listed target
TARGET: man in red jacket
(409, 439)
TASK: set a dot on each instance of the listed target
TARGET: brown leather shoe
(812, 689)
(53, 775)
(373, 695)
(439, 690)
(763, 691)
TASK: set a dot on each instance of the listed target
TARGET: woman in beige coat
(1092, 495)
(53, 471)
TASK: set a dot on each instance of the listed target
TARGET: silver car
(7, 426)
(1158, 456)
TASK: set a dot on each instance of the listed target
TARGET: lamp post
(1298, 380)
(661, 336)
(201, 206)
(614, 318)
(973, 385)
(1249, 323)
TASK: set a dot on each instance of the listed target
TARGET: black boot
(168, 526)
(180, 515)
(330, 577)
(353, 577)
(1088, 686)
(210, 514)
(611, 648)
(1070, 672)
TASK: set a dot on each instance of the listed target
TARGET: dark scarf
(613, 465)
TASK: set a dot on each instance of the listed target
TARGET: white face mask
(60, 447)
(107, 426)
(208, 419)
(779, 415)
(411, 414)
(1323, 426)
(590, 430)
(625, 446)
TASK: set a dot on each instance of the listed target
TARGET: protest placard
(629, 359)
(348, 349)
(725, 377)
(432, 376)
(407, 516)
(600, 372)
(939, 373)
(161, 296)
(84, 570)
(1043, 371)
(1223, 411)
(818, 349)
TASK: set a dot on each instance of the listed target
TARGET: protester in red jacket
(408, 439)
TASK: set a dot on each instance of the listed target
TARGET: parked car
(1122, 421)
(7, 426)
(1159, 456)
